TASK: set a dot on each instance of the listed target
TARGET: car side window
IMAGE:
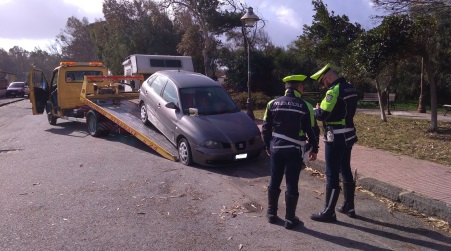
(158, 84)
(150, 80)
(170, 93)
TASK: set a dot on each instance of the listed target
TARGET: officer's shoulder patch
(329, 97)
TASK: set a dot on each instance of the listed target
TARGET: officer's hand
(318, 105)
(268, 152)
(312, 156)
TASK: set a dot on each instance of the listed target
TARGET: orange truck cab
(60, 98)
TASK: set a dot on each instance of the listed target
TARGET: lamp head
(249, 19)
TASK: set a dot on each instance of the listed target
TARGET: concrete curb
(420, 203)
(7, 102)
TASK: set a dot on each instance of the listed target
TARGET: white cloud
(26, 44)
(37, 19)
(94, 7)
(22, 21)
(288, 17)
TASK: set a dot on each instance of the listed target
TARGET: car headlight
(255, 139)
(211, 144)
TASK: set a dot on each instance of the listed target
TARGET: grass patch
(404, 136)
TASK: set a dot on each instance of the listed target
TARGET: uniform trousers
(288, 161)
(338, 160)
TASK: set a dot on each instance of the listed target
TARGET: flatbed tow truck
(102, 103)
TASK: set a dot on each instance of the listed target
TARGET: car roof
(186, 79)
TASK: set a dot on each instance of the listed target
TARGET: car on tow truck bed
(199, 117)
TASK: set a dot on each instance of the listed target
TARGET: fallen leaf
(318, 192)
(178, 196)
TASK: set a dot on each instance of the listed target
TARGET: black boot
(348, 204)
(291, 220)
(273, 200)
(328, 214)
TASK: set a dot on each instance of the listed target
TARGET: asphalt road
(61, 189)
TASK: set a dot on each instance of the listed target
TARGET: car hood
(230, 127)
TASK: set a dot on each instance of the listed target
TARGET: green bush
(259, 100)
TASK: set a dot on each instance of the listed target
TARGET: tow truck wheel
(144, 118)
(185, 152)
(48, 109)
(92, 120)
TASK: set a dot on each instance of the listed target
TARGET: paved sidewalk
(421, 185)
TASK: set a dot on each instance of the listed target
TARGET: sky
(34, 24)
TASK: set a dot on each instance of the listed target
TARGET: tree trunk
(433, 90)
(206, 52)
(381, 103)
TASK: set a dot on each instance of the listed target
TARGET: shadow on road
(394, 236)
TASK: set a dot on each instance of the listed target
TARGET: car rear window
(78, 76)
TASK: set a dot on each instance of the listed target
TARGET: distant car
(199, 117)
(16, 89)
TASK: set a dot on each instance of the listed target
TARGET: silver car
(199, 117)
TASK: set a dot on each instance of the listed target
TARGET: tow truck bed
(127, 116)
(120, 109)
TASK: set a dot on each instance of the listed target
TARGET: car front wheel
(185, 152)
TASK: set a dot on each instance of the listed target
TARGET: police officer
(337, 112)
(284, 118)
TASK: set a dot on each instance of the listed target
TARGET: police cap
(317, 76)
(294, 78)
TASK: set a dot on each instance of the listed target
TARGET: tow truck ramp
(107, 99)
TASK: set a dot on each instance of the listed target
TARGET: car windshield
(208, 100)
(16, 85)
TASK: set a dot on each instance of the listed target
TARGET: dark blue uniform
(337, 111)
(285, 117)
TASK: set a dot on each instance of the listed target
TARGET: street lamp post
(421, 108)
(249, 19)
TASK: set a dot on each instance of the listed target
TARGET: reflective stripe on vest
(342, 122)
(288, 146)
(343, 130)
(278, 135)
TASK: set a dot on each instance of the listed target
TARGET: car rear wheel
(185, 152)
(50, 117)
(94, 127)
(144, 117)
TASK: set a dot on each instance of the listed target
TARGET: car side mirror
(171, 105)
(193, 111)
